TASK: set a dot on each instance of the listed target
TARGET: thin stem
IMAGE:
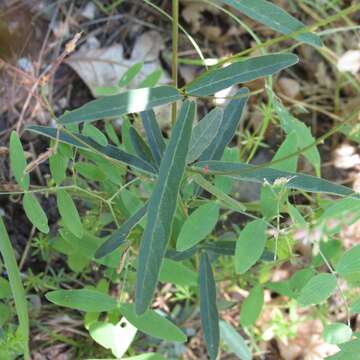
(175, 47)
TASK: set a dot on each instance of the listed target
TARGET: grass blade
(240, 72)
(86, 143)
(208, 310)
(153, 134)
(162, 207)
(17, 288)
(128, 102)
(274, 17)
(247, 172)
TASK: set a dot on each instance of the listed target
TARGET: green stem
(175, 46)
(17, 288)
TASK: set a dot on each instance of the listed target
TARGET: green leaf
(84, 142)
(90, 171)
(252, 306)
(250, 245)
(18, 161)
(350, 262)
(197, 226)
(148, 356)
(130, 74)
(153, 134)
(229, 124)
(225, 199)
(162, 207)
(273, 17)
(289, 146)
(234, 341)
(128, 102)
(69, 213)
(108, 335)
(94, 133)
(106, 90)
(296, 215)
(208, 309)
(82, 299)
(58, 165)
(177, 273)
(355, 307)
(303, 134)
(152, 79)
(240, 72)
(5, 314)
(204, 133)
(253, 173)
(317, 289)
(111, 133)
(118, 237)
(337, 333)
(153, 324)
(142, 150)
(5, 290)
(35, 213)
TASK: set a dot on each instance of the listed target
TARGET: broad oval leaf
(252, 306)
(204, 133)
(116, 105)
(18, 161)
(288, 147)
(58, 165)
(153, 134)
(69, 213)
(94, 133)
(248, 172)
(148, 356)
(177, 273)
(250, 245)
(109, 152)
(350, 262)
(82, 299)
(153, 324)
(240, 72)
(35, 213)
(161, 209)
(197, 226)
(208, 309)
(230, 122)
(273, 17)
(337, 333)
(118, 237)
(234, 341)
(317, 289)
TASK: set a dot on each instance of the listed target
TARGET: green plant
(164, 221)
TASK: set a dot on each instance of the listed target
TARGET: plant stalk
(175, 46)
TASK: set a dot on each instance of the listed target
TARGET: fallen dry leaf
(350, 62)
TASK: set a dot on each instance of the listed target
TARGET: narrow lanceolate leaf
(128, 102)
(82, 299)
(204, 133)
(35, 213)
(229, 124)
(197, 226)
(86, 143)
(94, 133)
(69, 213)
(253, 173)
(240, 72)
(349, 263)
(208, 310)
(130, 74)
(119, 236)
(252, 306)
(141, 148)
(153, 324)
(153, 134)
(162, 207)
(234, 341)
(273, 17)
(317, 289)
(18, 161)
(250, 245)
